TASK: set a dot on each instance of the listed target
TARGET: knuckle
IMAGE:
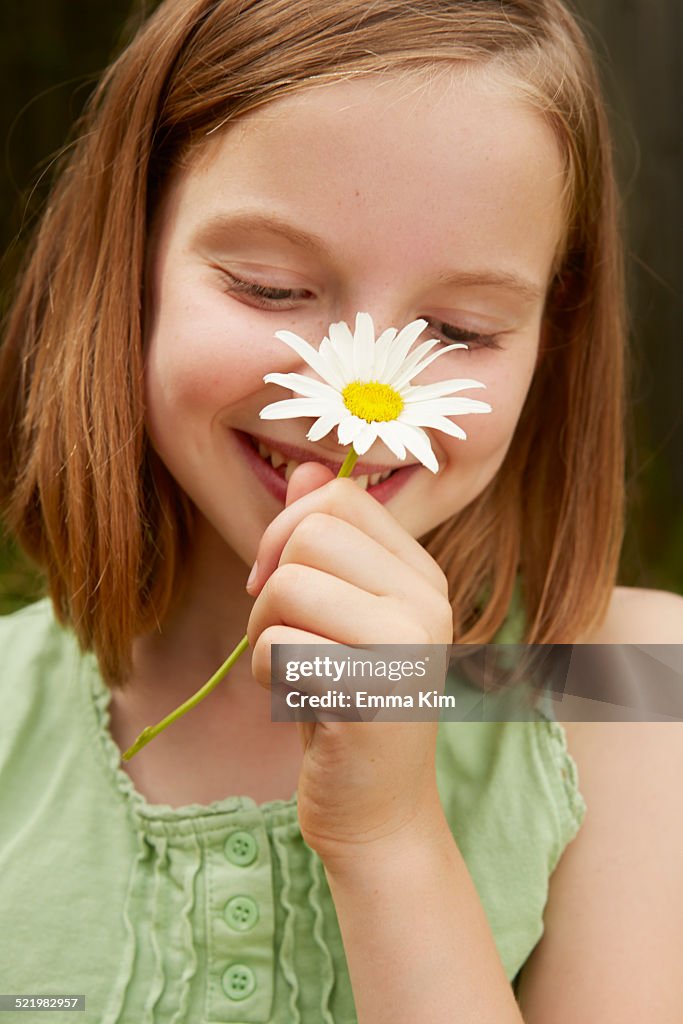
(338, 493)
(309, 534)
(286, 578)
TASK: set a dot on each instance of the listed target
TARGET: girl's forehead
(421, 159)
(453, 95)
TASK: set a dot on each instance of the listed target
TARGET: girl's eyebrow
(506, 279)
(214, 231)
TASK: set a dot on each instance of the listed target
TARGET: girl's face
(396, 197)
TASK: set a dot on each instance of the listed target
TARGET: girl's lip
(277, 485)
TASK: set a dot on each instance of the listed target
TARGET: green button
(239, 981)
(241, 848)
(241, 913)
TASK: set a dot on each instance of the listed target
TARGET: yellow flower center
(372, 401)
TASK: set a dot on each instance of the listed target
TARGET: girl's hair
(81, 486)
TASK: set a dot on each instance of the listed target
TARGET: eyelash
(269, 298)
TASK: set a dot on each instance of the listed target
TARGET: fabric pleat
(189, 877)
(157, 980)
(286, 953)
(125, 974)
(327, 966)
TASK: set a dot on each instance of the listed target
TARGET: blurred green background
(52, 51)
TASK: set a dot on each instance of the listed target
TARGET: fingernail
(252, 575)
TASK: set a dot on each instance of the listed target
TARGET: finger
(340, 549)
(307, 477)
(319, 686)
(278, 634)
(304, 598)
(345, 500)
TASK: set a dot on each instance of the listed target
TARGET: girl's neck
(208, 620)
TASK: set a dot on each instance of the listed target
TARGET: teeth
(377, 478)
(277, 459)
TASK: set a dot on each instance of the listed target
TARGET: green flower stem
(348, 463)
(150, 731)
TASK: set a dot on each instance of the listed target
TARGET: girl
(249, 167)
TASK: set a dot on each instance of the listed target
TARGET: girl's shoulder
(615, 896)
(37, 666)
(29, 637)
(640, 616)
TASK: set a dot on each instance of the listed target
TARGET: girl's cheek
(201, 356)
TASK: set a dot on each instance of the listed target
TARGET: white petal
(404, 371)
(343, 366)
(341, 339)
(415, 370)
(390, 434)
(363, 346)
(349, 428)
(293, 407)
(321, 366)
(402, 345)
(382, 351)
(365, 438)
(417, 442)
(322, 427)
(419, 392)
(303, 385)
(446, 407)
(436, 423)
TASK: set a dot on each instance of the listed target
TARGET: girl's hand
(336, 567)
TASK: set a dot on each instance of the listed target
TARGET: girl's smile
(274, 462)
(417, 203)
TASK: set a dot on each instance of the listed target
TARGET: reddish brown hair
(81, 487)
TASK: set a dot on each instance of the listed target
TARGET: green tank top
(221, 913)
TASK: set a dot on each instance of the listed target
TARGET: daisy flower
(365, 390)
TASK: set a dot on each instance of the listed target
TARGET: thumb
(307, 477)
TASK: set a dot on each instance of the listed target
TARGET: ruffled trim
(168, 819)
(566, 779)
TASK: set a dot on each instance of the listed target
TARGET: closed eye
(263, 295)
(451, 333)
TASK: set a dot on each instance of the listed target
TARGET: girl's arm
(613, 939)
(417, 942)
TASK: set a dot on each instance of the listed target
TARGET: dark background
(52, 51)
